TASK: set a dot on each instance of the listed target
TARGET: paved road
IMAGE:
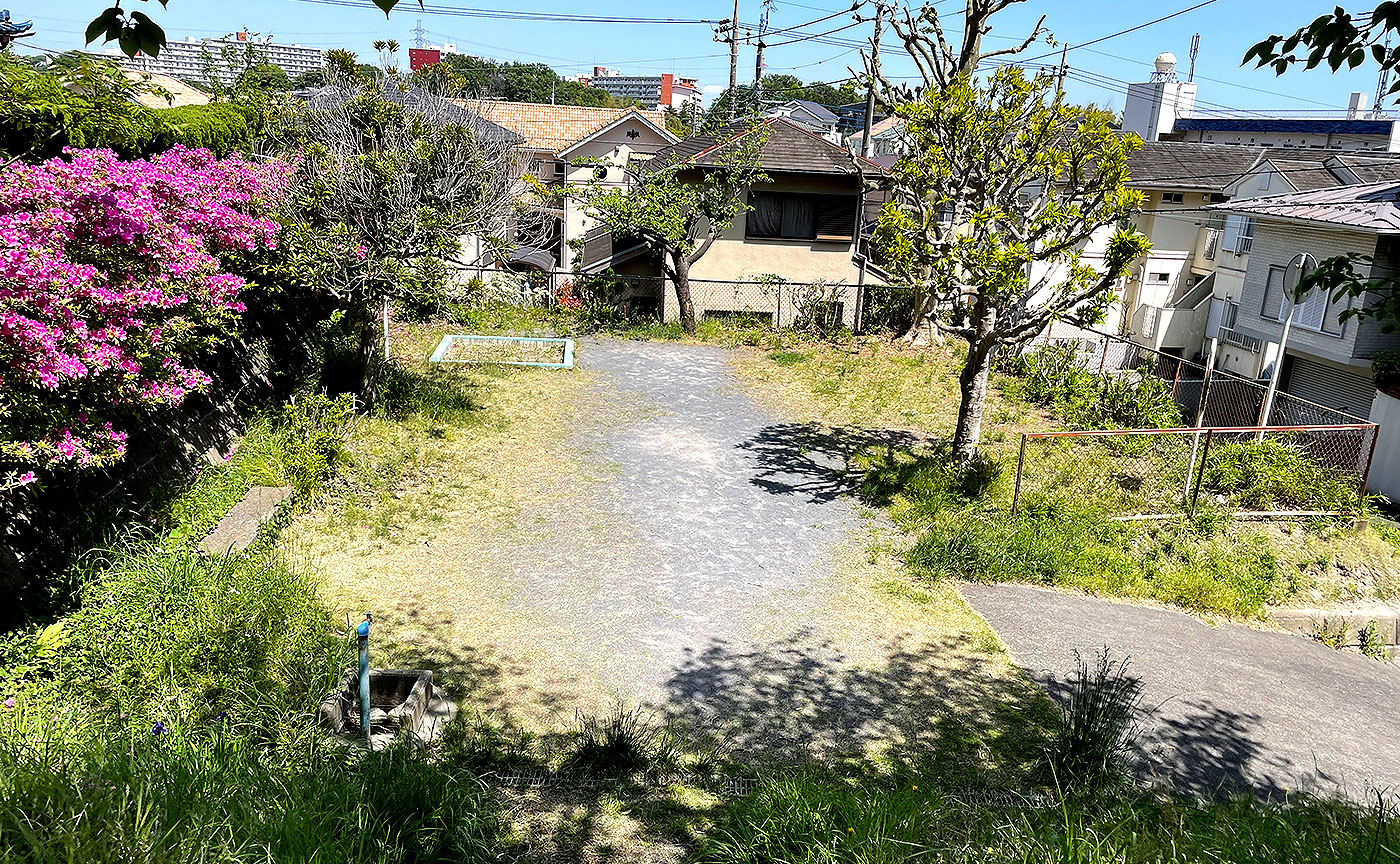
(1237, 706)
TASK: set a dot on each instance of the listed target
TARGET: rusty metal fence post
(1200, 473)
(1020, 465)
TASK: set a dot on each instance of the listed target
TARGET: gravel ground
(652, 536)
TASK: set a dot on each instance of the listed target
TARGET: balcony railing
(1240, 340)
(1243, 245)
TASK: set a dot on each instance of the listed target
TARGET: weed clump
(1098, 728)
(621, 744)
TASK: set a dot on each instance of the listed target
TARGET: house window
(1265, 177)
(1239, 234)
(1159, 278)
(1274, 301)
(1173, 198)
(787, 216)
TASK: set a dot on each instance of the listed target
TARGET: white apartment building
(187, 59)
(652, 91)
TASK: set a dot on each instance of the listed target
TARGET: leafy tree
(519, 82)
(1340, 39)
(42, 112)
(780, 88)
(390, 179)
(990, 212)
(677, 209)
(265, 78)
(1337, 39)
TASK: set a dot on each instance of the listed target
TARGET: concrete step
(1354, 618)
(240, 526)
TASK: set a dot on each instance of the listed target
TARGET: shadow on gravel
(816, 461)
(935, 707)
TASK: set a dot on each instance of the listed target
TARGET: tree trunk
(368, 362)
(972, 384)
(681, 276)
(922, 307)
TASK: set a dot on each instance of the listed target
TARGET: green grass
(817, 819)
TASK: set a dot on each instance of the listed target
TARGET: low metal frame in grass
(450, 341)
(1178, 457)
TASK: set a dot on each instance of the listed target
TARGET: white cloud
(712, 89)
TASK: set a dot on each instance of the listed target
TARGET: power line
(1124, 32)
(520, 15)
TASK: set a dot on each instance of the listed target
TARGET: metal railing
(1268, 471)
(1231, 336)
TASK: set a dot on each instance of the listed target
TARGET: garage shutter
(1330, 386)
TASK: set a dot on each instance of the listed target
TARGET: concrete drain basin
(402, 701)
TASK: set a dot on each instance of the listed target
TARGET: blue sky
(1227, 28)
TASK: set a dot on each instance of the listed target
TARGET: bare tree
(938, 60)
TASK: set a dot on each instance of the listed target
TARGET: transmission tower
(420, 36)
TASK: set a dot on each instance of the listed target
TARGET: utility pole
(758, 60)
(733, 58)
(758, 76)
(867, 147)
(1064, 69)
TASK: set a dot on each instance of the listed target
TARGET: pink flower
(76, 340)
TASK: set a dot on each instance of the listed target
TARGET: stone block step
(239, 527)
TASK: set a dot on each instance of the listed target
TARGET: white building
(192, 58)
(652, 91)
(1153, 108)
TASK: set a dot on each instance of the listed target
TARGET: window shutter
(836, 217)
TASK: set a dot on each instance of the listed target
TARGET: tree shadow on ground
(818, 462)
(1205, 749)
(942, 707)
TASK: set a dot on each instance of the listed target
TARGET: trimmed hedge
(218, 126)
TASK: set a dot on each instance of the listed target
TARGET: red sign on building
(420, 57)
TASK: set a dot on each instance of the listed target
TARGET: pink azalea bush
(111, 282)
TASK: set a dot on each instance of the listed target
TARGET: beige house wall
(612, 148)
(734, 258)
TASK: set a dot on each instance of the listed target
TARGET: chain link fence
(1159, 473)
(772, 301)
(1220, 399)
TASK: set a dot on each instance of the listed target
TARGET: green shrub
(214, 791)
(1052, 377)
(1275, 475)
(220, 127)
(814, 819)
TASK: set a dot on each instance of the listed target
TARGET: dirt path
(648, 534)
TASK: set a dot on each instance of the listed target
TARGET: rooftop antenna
(1195, 49)
(420, 36)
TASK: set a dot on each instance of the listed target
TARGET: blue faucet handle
(363, 629)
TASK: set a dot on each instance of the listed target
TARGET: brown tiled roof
(1182, 165)
(1305, 176)
(1368, 167)
(556, 127)
(789, 148)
